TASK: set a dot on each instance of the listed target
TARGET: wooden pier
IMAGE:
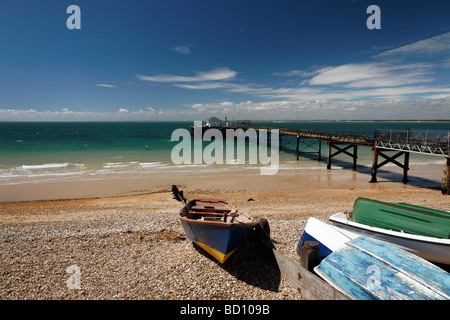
(382, 142)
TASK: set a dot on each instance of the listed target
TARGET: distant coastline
(404, 121)
(252, 120)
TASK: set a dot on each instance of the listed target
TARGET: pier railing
(336, 137)
(435, 142)
(414, 140)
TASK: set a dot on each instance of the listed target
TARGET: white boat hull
(431, 249)
(330, 238)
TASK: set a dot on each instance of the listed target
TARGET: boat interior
(213, 210)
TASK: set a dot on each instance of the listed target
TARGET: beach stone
(134, 247)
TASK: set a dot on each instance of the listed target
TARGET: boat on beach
(365, 268)
(329, 238)
(216, 226)
(422, 231)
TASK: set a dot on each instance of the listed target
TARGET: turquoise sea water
(38, 151)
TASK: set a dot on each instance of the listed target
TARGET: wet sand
(420, 176)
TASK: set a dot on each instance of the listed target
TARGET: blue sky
(189, 60)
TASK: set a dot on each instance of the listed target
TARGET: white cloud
(202, 86)
(67, 114)
(373, 75)
(325, 109)
(407, 82)
(296, 73)
(382, 78)
(212, 75)
(431, 46)
(183, 49)
(429, 107)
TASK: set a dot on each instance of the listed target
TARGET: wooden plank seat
(211, 209)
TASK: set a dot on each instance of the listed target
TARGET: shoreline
(420, 175)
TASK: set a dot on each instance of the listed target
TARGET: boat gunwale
(233, 224)
(251, 221)
(341, 217)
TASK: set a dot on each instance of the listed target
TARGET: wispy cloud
(66, 114)
(394, 74)
(373, 75)
(183, 49)
(383, 78)
(212, 75)
(393, 108)
(327, 93)
(436, 45)
(326, 109)
(202, 86)
(410, 71)
(406, 82)
(296, 73)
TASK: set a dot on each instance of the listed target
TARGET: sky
(193, 59)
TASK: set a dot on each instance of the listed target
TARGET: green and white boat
(419, 230)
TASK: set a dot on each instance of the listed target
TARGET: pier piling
(445, 188)
(389, 159)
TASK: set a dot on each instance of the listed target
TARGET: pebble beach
(132, 246)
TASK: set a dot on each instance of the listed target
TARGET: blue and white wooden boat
(216, 226)
(366, 268)
(330, 238)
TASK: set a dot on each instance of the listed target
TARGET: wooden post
(308, 284)
(310, 255)
(445, 187)
(406, 168)
(320, 149)
(355, 156)
(329, 155)
(374, 165)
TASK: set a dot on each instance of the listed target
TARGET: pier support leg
(354, 155)
(406, 168)
(298, 142)
(374, 165)
(320, 149)
(445, 188)
(329, 155)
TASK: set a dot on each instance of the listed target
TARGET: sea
(53, 151)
